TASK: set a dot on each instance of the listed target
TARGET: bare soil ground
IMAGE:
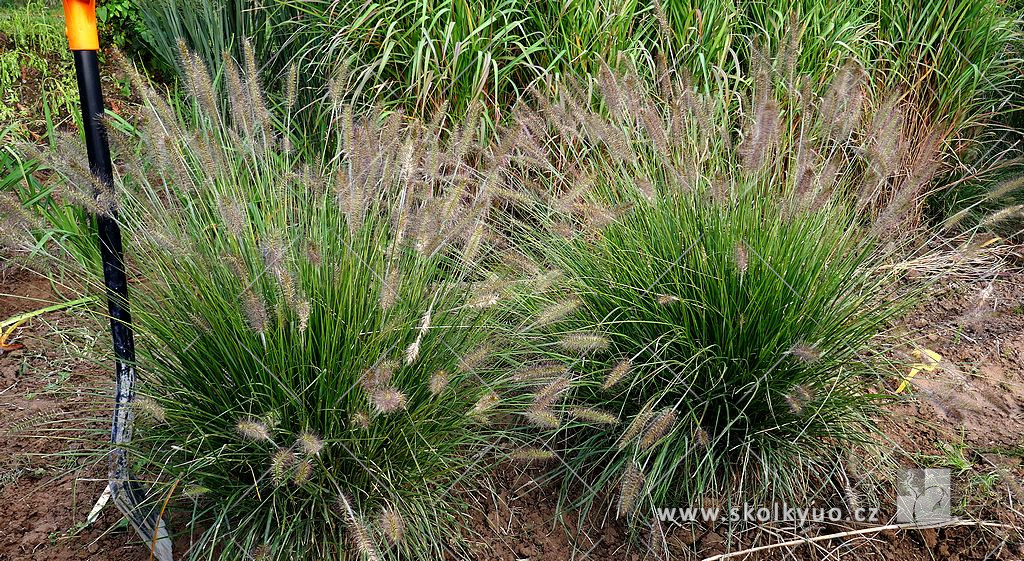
(49, 479)
(966, 414)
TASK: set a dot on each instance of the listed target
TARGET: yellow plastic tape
(80, 25)
(4, 345)
(929, 363)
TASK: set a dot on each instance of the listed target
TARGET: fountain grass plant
(707, 349)
(316, 366)
(718, 290)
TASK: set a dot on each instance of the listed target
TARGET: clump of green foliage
(317, 371)
(33, 48)
(714, 317)
(959, 60)
(120, 25)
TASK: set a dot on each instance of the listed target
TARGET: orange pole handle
(80, 25)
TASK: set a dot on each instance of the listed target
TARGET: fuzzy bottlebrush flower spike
(253, 430)
(309, 443)
(532, 454)
(618, 372)
(391, 524)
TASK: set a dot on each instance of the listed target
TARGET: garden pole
(142, 511)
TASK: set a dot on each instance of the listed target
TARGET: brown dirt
(974, 401)
(48, 480)
(523, 521)
(977, 391)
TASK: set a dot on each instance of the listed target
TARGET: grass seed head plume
(543, 417)
(618, 372)
(255, 310)
(883, 146)
(552, 392)
(596, 217)
(151, 408)
(303, 311)
(763, 135)
(197, 79)
(701, 437)
(281, 464)
(842, 103)
(391, 525)
(797, 399)
(592, 415)
(303, 472)
(412, 352)
(555, 312)
(17, 225)
(660, 426)
(666, 299)
(532, 454)
(486, 294)
(540, 372)
(630, 489)
(358, 531)
(361, 419)
(193, 491)
(234, 217)
(260, 553)
(253, 429)
(476, 358)
(546, 280)
(378, 376)
(852, 496)
(438, 382)
(292, 86)
(636, 425)
(804, 352)
(484, 406)
(389, 289)
(740, 257)
(309, 443)
(584, 342)
(388, 400)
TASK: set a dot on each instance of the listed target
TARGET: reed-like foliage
(715, 326)
(951, 57)
(316, 369)
(959, 60)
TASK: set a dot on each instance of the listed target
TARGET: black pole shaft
(111, 249)
(129, 496)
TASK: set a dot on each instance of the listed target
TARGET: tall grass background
(953, 56)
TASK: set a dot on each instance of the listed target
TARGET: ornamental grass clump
(723, 285)
(314, 374)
